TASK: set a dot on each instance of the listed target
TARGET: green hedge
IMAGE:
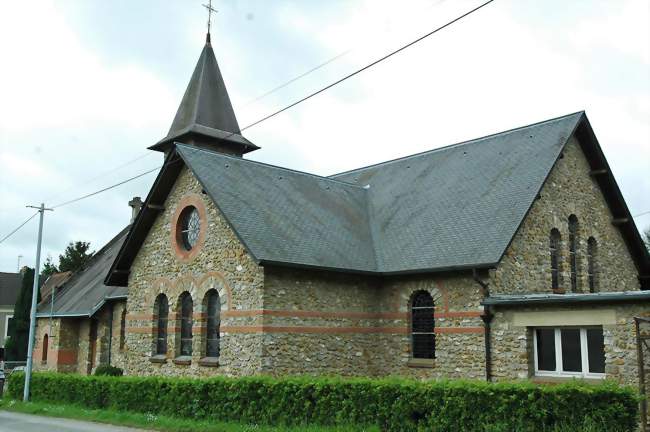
(393, 404)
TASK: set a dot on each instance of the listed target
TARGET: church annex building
(511, 256)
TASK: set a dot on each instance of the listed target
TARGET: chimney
(136, 205)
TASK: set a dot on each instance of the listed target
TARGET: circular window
(190, 227)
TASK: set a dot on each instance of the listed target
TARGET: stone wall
(218, 262)
(322, 323)
(512, 344)
(525, 267)
(63, 338)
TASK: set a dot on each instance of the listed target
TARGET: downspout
(487, 320)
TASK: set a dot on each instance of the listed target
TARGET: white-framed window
(569, 352)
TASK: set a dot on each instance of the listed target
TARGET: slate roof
(205, 109)
(84, 293)
(452, 208)
(10, 285)
(54, 282)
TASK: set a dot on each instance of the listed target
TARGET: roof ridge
(239, 159)
(75, 275)
(448, 146)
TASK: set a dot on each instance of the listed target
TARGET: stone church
(511, 256)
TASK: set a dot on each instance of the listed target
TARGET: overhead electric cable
(107, 188)
(17, 228)
(103, 174)
(312, 70)
(292, 80)
(641, 214)
(329, 86)
(368, 66)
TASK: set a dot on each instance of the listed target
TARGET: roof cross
(210, 10)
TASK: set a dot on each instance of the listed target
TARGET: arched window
(161, 312)
(573, 256)
(213, 309)
(592, 264)
(554, 247)
(46, 343)
(423, 338)
(186, 306)
(123, 328)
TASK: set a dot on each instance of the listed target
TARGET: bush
(393, 404)
(108, 370)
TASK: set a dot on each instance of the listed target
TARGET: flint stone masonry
(569, 189)
(287, 321)
(513, 345)
(222, 263)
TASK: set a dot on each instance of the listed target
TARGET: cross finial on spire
(210, 10)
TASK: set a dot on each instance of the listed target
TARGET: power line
(368, 66)
(304, 74)
(350, 75)
(641, 214)
(273, 90)
(106, 188)
(17, 228)
(314, 69)
(105, 173)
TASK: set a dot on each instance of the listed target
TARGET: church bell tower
(205, 117)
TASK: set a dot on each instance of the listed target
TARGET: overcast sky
(87, 86)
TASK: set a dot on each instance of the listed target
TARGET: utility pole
(19, 258)
(32, 319)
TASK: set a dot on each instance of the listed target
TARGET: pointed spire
(205, 117)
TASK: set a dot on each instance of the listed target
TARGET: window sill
(421, 363)
(209, 362)
(541, 379)
(183, 360)
(160, 358)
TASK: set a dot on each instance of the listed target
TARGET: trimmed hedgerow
(108, 370)
(393, 404)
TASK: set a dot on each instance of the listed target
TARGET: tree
(16, 345)
(75, 257)
(49, 268)
(646, 238)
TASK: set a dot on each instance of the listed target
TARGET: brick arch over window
(556, 264)
(423, 338)
(212, 308)
(160, 316)
(46, 347)
(574, 241)
(217, 281)
(185, 309)
(592, 264)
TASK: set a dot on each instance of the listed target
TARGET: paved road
(14, 422)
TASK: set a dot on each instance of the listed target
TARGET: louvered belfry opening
(423, 338)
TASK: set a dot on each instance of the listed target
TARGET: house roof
(569, 298)
(54, 282)
(452, 208)
(205, 109)
(84, 293)
(10, 285)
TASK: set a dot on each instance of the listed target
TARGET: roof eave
(560, 299)
(429, 270)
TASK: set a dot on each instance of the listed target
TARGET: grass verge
(156, 422)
